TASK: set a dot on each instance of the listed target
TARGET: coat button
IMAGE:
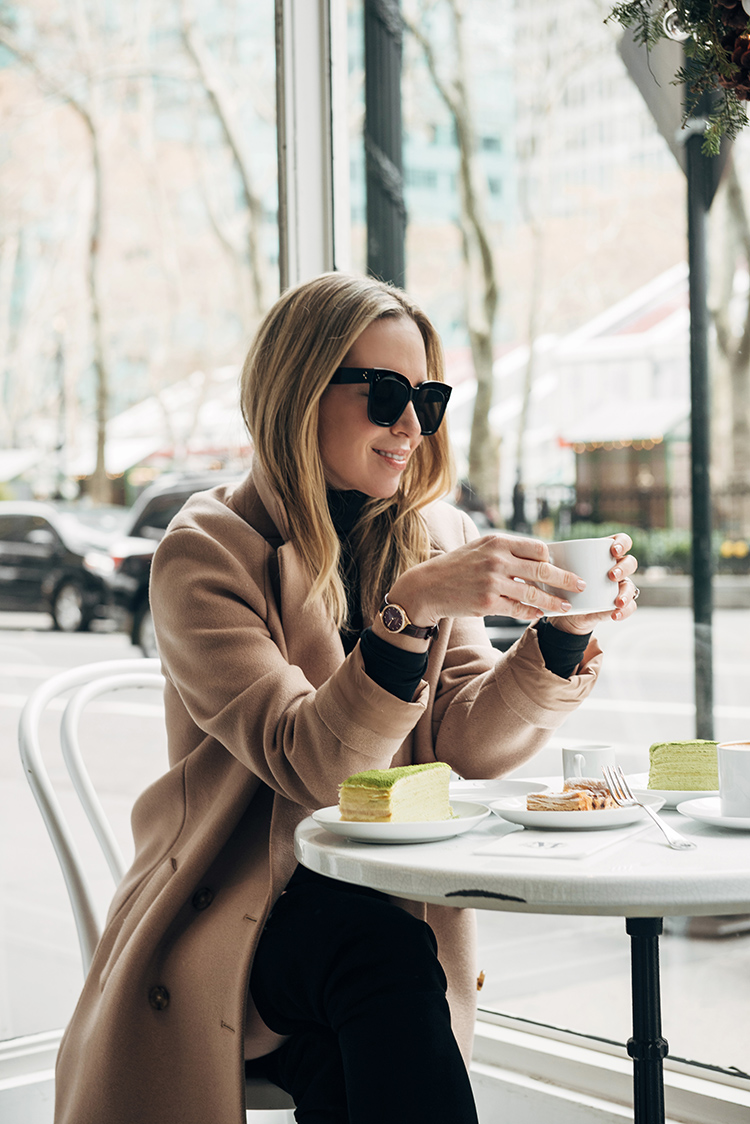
(158, 997)
(202, 898)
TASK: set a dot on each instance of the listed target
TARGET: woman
(284, 676)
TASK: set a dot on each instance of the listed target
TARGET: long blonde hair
(299, 345)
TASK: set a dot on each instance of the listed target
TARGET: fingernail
(616, 574)
(580, 585)
(619, 600)
(617, 548)
(617, 616)
(565, 605)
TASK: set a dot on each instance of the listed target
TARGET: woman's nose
(408, 422)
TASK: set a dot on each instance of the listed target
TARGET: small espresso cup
(590, 559)
(586, 761)
(734, 778)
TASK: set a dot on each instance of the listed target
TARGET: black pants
(356, 982)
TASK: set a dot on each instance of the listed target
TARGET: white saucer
(514, 808)
(491, 790)
(671, 796)
(708, 810)
(465, 817)
(608, 608)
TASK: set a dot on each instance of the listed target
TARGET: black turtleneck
(393, 668)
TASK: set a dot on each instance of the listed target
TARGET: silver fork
(622, 795)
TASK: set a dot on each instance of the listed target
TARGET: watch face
(393, 618)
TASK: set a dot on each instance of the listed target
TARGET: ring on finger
(637, 592)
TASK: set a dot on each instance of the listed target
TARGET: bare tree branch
(50, 84)
(220, 100)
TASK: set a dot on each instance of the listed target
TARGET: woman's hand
(490, 576)
(627, 592)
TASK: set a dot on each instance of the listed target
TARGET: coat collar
(312, 639)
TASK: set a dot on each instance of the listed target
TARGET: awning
(650, 420)
(121, 454)
(14, 462)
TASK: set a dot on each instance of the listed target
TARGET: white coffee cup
(734, 778)
(590, 559)
(586, 761)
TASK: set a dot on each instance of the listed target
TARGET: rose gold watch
(395, 620)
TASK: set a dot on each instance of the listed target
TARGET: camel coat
(265, 716)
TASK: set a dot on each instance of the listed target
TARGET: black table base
(647, 1047)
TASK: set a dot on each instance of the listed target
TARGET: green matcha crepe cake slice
(406, 794)
(683, 766)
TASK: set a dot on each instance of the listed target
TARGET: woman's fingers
(625, 600)
(533, 565)
(624, 567)
(621, 544)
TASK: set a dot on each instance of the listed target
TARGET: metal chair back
(88, 683)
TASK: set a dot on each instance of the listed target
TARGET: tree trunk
(483, 292)
(535, 301)
(735, 348)
(101, 485)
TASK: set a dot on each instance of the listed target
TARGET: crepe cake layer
(406, 794)
(683, 766)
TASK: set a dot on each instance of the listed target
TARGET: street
(546, 968)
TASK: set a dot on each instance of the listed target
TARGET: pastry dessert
(581, 795)
(407, 794)
(684, 766)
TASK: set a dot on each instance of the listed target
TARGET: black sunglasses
(390, 393)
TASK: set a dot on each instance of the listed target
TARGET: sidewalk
(662, 591)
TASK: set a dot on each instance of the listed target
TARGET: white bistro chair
(87, 683)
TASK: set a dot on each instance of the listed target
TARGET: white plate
(491, 790)
(465, 817)
(514, 808)
(671, 796)
(708, 810)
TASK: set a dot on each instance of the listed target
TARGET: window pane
(173, 124)
(583, 207)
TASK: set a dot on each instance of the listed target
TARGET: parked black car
(504, 631)
(51, 562)
(132, 553)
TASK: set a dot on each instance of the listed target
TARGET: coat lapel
(312, 639)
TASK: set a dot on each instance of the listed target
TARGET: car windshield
(108, 518)
(79, 535)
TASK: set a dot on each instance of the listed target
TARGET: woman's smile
(398, 458)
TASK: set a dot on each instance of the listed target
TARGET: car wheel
(143, 631)
(68, 610)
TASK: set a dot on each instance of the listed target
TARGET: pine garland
(717, 54)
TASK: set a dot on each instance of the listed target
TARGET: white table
(640, 879)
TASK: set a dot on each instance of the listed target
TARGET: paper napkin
(528, 843)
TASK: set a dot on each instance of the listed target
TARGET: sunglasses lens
(388, 400)
(430, 406)
(390, 394)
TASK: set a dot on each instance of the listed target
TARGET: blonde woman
(322, 618)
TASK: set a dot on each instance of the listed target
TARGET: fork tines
(617, 785)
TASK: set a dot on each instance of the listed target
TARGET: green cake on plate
(683, 766)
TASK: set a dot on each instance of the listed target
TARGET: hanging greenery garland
(716, 37)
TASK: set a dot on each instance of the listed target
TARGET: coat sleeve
(492, 711)
(223, 648)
